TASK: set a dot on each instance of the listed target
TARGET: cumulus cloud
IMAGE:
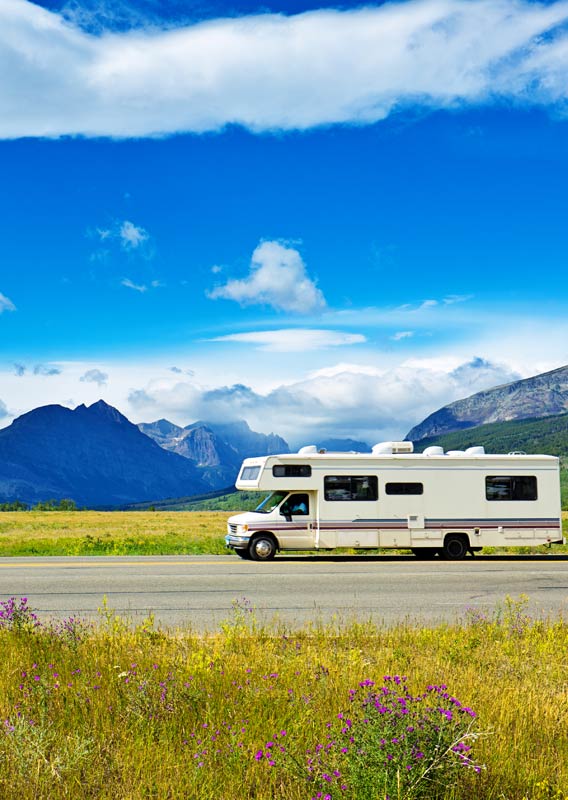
(291, 340)
(6, 304)
(46, 370)
(349, 400)
(278, 278)
(276, 72)
(94, 376)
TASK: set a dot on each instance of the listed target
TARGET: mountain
(344, 446)
(92, 455)
(217, 449)
(539, 396)
(548, 435)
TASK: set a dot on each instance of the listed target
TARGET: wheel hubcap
(263, 548)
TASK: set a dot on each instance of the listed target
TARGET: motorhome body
(431, 502)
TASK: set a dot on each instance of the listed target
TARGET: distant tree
(15, 505)
(54, 505)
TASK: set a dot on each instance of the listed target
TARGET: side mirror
(285, 512)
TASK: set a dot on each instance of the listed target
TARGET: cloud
(274, 72)
(277, 278)
(94, 376)
(397, 337)
(456, 298)
(6, 304)
(3, 410)
(138, 287)
(292, 340)
(349, 400)
(132, 236)
(46, 369)
(180, 371)
(19, 370)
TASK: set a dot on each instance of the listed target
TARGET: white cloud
(47, 370)
(277, 278)
(132, 236)
(270, 71)
(138, 287)
(94, 376)
(346, 400)
(456, 298)
(6, 304)
(292, 340)
(397, 337)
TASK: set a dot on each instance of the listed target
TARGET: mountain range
(539, 396)
(92, 455)
(217, 449)
(95, 456)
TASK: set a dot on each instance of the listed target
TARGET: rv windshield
(271, 501)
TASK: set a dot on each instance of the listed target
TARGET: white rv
(432, 503)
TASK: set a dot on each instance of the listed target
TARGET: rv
(433, 503)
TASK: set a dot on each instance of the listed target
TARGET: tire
(424, 552)
(243, 554)
(455, 547)
(262, 548)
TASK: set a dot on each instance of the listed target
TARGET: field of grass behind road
(82, 533)
(78, 533)
(132, 714)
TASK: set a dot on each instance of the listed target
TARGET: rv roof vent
(434, 450)
(517, 453)
(478, 450)
(386, 448)
(307, 450)
(455, 453)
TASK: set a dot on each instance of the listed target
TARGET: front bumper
(236, 542)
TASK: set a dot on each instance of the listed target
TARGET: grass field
(81, 533)
(122, 713)
(46, 533)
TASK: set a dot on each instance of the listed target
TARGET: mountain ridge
(91, 454)
(539, 396)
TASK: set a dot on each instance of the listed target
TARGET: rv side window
(292, 471)
(250, 473)
(350, 487)
(511, 487)
(404, 488)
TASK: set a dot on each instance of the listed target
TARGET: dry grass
(112, 532)
(126, 713)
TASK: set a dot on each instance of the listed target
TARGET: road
(199, 590)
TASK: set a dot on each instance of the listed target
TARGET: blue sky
(327, 222)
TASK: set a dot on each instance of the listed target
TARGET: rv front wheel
(455, 547)
(262, 548)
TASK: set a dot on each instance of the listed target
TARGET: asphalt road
(199, 590)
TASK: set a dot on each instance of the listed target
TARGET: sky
(327, 220)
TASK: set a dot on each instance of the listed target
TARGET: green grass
(122, 713)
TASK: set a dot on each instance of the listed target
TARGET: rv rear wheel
(455, 547)
(262, 548)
